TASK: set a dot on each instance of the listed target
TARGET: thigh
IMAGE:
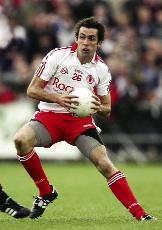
(92, 146)
(42, 135)
(51, 123)
(87, 141)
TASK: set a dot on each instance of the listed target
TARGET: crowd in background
(132, 49)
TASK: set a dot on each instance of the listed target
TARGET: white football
(84, 104)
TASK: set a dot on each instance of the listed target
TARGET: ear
(76, 40)
(99, 44)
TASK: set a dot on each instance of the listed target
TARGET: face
(87, 44)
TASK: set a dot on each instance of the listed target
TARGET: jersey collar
(74, 49)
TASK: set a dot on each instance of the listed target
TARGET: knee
(102, 165)
(20, 141)
(105, 167)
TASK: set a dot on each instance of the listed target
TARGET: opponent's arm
(36, 90)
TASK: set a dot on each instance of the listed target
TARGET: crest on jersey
(64, 70)
(90, 79)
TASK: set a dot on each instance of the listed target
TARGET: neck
(84, 59)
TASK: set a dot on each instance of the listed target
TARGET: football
(84, 104)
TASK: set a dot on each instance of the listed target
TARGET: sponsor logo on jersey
(64, 70)
(61, 86)
(90, 79)
(78, 71)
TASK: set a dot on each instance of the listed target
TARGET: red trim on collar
(98, 58)
(74, 47)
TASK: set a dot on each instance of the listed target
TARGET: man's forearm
(42, 95)
(104, 111)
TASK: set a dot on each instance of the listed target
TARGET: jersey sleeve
(104, 81)
(48, 66)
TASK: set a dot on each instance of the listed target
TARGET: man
(61, 71)
(11, 207)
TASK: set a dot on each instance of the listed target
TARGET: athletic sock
(119, 186)
(32, 164)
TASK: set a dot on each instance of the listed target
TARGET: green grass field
(84, 202)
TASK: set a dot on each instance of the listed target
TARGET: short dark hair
(91, 22)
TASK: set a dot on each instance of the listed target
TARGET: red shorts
(64, 126)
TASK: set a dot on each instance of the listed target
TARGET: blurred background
(132, 49)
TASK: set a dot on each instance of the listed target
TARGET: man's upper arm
(104, 80)
(47, 67)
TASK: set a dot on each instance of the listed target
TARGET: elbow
(105, 113)
(30, 92)
(108, 113)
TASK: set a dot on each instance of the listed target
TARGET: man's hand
(96, 104)
(67, 101)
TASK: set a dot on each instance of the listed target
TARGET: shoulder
(58, 52)
(62, 50)
(101, 65)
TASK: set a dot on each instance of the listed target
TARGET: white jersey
(62, 70)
